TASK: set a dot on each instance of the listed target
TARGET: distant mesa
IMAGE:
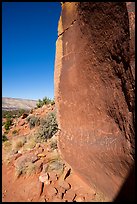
(17, 103)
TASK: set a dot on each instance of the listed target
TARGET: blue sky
(29, 33)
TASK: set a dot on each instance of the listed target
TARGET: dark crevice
(67, 28)
(42, 188)
(74, 197)
(67, 174)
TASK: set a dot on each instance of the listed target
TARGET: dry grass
(12, 147)
(27, 169)
(30, 144)
(18, 143)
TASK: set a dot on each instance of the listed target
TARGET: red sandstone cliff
(94, 91)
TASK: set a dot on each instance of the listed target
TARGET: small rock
(89, 198)
(42, 199)
(21, 123)
(52, 176)
(79, 199)
(44, 178)
(37, 145)
(50, 192)
(45, 168)
(43, 154)
(64, 184)
(38, 151)
(29, 157)
(38, 166)
(60, 195)
(69, 195)
(17, 156)
(47, 182)
(14, 151)
(61, 190)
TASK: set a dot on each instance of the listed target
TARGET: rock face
(94, 92)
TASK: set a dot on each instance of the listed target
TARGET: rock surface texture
(94, 91)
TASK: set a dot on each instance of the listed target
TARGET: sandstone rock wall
(94, 92)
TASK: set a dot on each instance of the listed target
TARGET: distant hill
(17, 103)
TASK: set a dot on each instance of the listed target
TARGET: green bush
(8, 123)
(33, 121)
(3, 123)
(13, 113)
(52, 102)
(39, 104)
(4, 138)
(8, 115)
(48, 127)
(20, 113)
(44, 101)
(14, 132)
(53, 145)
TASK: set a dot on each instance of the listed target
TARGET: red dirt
(28, 188)
(67, 187)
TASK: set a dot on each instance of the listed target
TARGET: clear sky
(29, 33)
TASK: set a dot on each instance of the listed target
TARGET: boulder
(21, 122)
(22, 160)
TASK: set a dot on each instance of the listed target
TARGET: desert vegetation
(44, 101)
(33, 121)
(30, 150)
(13, 113)
(48, 127)
(8, 123)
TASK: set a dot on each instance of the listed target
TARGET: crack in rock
(67, 28)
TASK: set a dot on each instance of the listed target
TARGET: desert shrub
(53, 145)
(8, 123)
(31, 142)
(30, 168)
(48, 127)
(7, 144)
(14, 132)
(13, 113)
(8, 115)
(20, 112)
(44, 101)
(27, 168)
(31, 111)
(4, 138)
(3, 123)
(18, 143)
(52, 102)
(33, 121)
(39, 103)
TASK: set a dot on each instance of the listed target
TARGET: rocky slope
(16, 103)
(35, 171)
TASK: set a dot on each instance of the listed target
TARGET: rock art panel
(94, 92)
